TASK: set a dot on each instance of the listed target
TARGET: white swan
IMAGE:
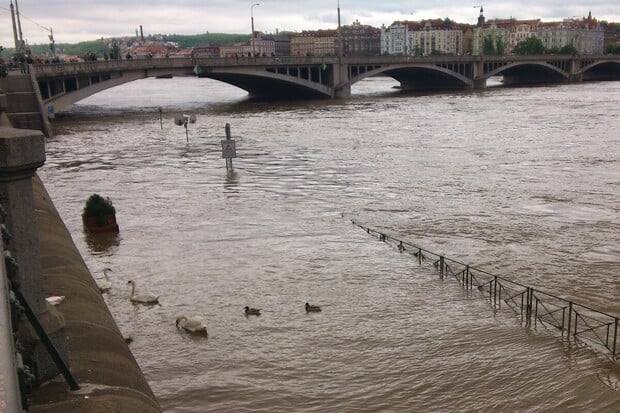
(193, 324)
(105, 285)
(144, 298)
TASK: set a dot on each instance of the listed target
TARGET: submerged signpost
(229, 150)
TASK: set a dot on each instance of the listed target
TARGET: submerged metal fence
(574, 321)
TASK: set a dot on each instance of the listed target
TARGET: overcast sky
(73, 21)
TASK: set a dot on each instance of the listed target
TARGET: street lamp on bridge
(252, 39)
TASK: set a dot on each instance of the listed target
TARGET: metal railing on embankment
(574, 321)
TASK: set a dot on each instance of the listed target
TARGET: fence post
(499, 295)
(441, 264)
(570, 315)
(575, 327)
(467, 277)
(495, 290)
(615, 336)
(530, 307)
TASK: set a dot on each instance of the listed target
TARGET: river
(521, 182)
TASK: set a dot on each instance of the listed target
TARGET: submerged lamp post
(184, 120)
(252, 39)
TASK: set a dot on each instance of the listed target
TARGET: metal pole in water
(615, 336)
(228, 138)
(563, 319)
(570, 314)
(161, 121)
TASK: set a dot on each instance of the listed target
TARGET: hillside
(101, 46)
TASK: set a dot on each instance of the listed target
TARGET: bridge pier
(342, 91)
(479, 83)
(575, 74)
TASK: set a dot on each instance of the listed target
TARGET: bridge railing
(585, 325)
(54, 69)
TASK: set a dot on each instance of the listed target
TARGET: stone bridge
(319, 77)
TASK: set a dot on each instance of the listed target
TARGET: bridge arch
(65, 90)
(65, 84)
(309, 82)
(419, 76)
(601, 70)
(514, 70)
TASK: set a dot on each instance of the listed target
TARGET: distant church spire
(480, 18)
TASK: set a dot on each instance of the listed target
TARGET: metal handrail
(569, 322)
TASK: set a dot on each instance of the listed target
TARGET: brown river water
(521, 182)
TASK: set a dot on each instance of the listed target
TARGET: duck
(193, 324)
(251, 311)
(144, 298)
(312, 308)
(105, 285)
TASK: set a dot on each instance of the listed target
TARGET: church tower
(480, 18)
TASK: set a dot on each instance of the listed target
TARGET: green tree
(529, 46)
(500, 47)
(568, 49)
(488, 47)
(115, 50)
(611, 49)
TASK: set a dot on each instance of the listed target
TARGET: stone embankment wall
(110, 379)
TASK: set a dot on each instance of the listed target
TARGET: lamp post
(52, 42)
(252, 39)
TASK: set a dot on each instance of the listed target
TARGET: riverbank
(109, 377)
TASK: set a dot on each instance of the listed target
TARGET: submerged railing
(574, 321)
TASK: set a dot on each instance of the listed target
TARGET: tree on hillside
(115, 50)
(529, 46)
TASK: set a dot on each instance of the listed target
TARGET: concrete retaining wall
(109, 377)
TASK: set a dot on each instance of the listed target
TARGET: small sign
(228, 148)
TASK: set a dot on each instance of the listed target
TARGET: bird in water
(193, 324)
(144, 298)
(105, 285)
(251, 311)
(312, 308)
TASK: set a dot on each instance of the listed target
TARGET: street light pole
(52, 42)
(252, 38)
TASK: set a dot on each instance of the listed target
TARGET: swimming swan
(312, 308)
(144, 298)
(193, 324)
(251, 311)
(105, 285)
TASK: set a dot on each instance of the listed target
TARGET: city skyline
(116, 19)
